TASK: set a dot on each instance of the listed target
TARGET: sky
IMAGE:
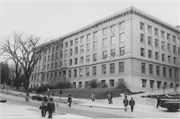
(50, 19)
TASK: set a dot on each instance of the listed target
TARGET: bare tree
(25, 52)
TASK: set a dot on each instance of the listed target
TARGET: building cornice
(128, 11)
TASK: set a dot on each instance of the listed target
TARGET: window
(169, 59)
(163, 57)
(162, 35)
(156, 43)
(75, 72)
(174, 60)
(82, 40)
(52, 58)
(81, 60)
(149, 54)
(87, 71)
(168, 47)
(66, 44)
(65, 54)
(168, 37)
(156, 32)
(174, 49)
(121, 66)
(157, 71)
(171, 85)
(142, 26)
(88, 58)
(150, 69)
(104, 42)
(165, 85)
(95, 57)
(178, 41)
(53, 49)
(56, 65)
(56, 56)
(76, 60)
(65, 63)
(142, 52)
(162, 45)
(122, 37)
(113, 53)
(60, 64)
(57, 47)
(170, 72)
(144, 83)
(71, 42)
(151, 84)
(156, 55)
(76, 50)
(76, 42)
(88, 47)
(74, 84)
(149, 40)
(44, 67)
(174, 39)
(95, 45)
(164, 71)
(113, 29)
(70, 62)
(143, 67)
(80, 72)
(94, 70)
(105, 31)
(95, 35)
(113, 40)
(69, 73)
(82, 48)
(122, 51)
(112, 68)
(142, 38)
(103, 69)
(61, 47)
(158, 84)
(149, 29)
(104, 54)
(179, 50)
(121, 25)
(111, 82)
(88, 37)
(70, 52)
(52, 65)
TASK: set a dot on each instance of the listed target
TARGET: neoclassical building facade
(130, 46)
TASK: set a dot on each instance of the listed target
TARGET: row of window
(156, 33)
(143, 70)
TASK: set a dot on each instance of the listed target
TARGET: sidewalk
(24, 111)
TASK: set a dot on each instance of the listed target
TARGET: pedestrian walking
(27, 96)
(158, 101)
(69, 100)
(132, 103)
(110, 98)
(60, 93)
(93, 97)
(44, 107)
(125, 101)
(51, 108)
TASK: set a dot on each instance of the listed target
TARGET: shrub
(63, 85)
(102, 85)
(94, 83)
(121, 85)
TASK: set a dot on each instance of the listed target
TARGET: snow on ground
(13, 110)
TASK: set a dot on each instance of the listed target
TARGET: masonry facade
(129, 46)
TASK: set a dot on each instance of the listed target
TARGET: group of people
(131, 102)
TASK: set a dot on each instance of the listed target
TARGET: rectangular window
(122, 51)
(179, 50)
(112, 68)
(174, 39)
(95, 45)
(171, 85)
(113, 40)
(149, 29)
(105, 31)
(69, 73)
(65, 54)
(95, 35)
(65, 63)
(162, 35)
(81, 60)
(144, 81)
(156, 55)
(113, 53)
(142, 39)
(70, 62)
(174, 49)
(158, 84)
(94, 71)
(142, 26)
(88, 37)
(111, 82)
(71, 42)
(87, 71)
(82, 40)
(168, 47)
(122, 37)
(104, 54)
(76, 50)
(121, 66)
(70, 52)
(156, 32)
(149, 40)
(76, 61)
(142, 52)
(178, 41)
(168, 37)
(143, 68)
(163, 57)
(52, 65)
(76, 42)
(150, 69)
(169, 59)
(157, 70)
(121, 26)
(113, 29)
(151, 84)
(88, 58)
(82, 49)
(156, 43)
(80, 72)
(66, 44)
(149, 54)
(174, 60)
(162, 45)
(164, 71)
(103, 69)
(170, 72)
(57, 47)
(104, 42)
(75, 73)
(88, 47)
(95, 57)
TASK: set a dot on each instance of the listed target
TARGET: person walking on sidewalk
(27, 96)
(158, 101)
(60, 93)
(93, 97)
(125, 101)
(69, 100)
(51, 108)
(110, 98)
(44, 107)
(132, 103)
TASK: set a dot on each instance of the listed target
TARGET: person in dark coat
(132, 103)
(125, 101)
(93, 97)
(60, 93)
(158, 101)
(51, 108)
(27, 96)
(69, 100)
(110, 98)
(44, 107)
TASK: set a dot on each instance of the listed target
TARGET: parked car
(38, 97)
(171, 104)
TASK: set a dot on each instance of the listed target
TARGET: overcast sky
(55, 18)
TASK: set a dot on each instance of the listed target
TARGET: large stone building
(130, 46)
